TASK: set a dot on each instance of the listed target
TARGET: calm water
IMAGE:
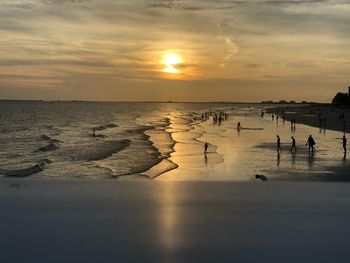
(156, 140)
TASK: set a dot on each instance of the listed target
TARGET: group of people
(219, 117)
(310, 142)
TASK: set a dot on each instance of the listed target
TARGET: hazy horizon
(281, 101)
(174, 50)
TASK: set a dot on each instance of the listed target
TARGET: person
(239, 126)
(344, 142)
(206, 147)
(293, 122)
(278, 144)
(311, 142)
(294, 147)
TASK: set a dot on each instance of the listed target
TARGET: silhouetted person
(261, 177)
(273, 117)
(293, 125)
(206, 147)
(344, 142)
(311, 142)
(239, 127)
(294, 146)
(278, 144)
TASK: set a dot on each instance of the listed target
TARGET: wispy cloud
(115, 41)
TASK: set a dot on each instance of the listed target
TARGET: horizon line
(169, 101)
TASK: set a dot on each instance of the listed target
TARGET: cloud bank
(250, 50)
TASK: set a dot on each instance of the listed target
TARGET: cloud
(112, 41)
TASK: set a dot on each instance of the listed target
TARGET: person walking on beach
(206, 147)
(294, 147)
(279, 149)
(239, 126)
(344, 142)
(311, 142)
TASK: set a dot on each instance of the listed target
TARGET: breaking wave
(25, 172)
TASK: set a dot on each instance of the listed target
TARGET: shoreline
(310, 114)
(177, 142)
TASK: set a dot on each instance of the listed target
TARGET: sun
(171, 60)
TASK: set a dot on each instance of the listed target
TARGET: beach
(311, 114)
(165, 141)
(240, 155)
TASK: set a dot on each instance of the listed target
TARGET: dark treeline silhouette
(342, 98)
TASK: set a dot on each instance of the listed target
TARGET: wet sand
(153, 221)
(309, 115)
(239, 155)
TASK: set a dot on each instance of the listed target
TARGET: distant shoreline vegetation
(287, 102)
(342, 99)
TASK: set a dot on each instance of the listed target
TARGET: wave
(48, 138)
(37, 168)
(53, 144)
(162, 167)
(50, 147)
(96, 152)
(148, 153)
(140, 130)
(104, 126)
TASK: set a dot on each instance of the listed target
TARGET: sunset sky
(180, 50)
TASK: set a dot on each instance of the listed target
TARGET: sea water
(55, 139)
(156, 140)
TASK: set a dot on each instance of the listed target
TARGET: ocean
(55, 139)
(158, 140)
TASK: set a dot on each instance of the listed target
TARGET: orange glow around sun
(170, 61)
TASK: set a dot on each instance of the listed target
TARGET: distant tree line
(341, 98)
(284, 102)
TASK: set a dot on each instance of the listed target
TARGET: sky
(178, 50)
